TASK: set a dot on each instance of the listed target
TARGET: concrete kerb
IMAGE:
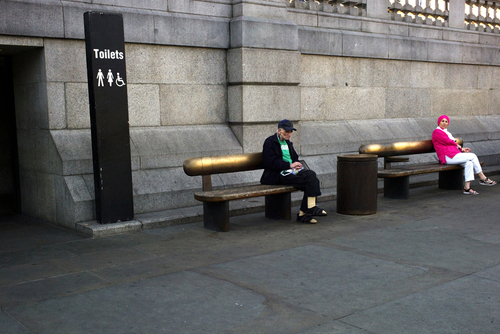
(94, 229)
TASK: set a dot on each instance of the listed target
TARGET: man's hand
(296, 165)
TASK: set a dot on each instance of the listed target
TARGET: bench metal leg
(279, 206)
(397, 187)
(451, 179)
(216, 216)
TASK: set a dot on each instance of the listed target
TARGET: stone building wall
(215, 77)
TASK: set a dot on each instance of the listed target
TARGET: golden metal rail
(401, 148)
(223, 164)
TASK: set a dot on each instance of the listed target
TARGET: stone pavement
(430, 264)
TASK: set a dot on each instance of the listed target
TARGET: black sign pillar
(107, 80)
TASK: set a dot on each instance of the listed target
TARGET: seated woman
(449, 152)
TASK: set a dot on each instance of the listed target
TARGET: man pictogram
(100, 79)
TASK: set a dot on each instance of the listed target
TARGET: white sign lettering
(108, 54)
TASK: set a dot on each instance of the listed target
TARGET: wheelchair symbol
(119, 81)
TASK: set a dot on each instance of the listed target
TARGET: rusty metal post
(357, 184)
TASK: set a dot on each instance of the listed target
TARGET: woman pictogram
(110, 78)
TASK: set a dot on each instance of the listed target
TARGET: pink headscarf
(441, 118)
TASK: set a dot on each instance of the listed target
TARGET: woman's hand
(296, 165)
(466, 150)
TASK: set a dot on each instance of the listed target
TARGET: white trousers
(469, 162)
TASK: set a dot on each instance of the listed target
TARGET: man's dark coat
(272, 157)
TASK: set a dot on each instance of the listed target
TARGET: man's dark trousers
(306, 181)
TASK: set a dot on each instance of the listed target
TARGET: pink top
(444, 145)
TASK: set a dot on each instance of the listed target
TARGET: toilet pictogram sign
(106, 54)
(107, 82)
(110, 78)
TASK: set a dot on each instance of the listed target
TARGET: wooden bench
(397, 178)
(278, 201)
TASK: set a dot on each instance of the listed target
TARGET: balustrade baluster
(470, 17)
(417, 11)
(351, 7)
(429, 13)
(406, 9)
(496, 20)
(487, 17)
(313, 5)
(361, 5)
(340, 8)
(301, 4)
(489, 8)
(325, 6)
(395, 7)
(481, 16)
(419, 17)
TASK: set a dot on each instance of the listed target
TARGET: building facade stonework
(215, 77)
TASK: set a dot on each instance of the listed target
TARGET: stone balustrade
(347, 7)
(479, 15)
(430, 12)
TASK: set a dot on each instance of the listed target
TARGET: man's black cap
(286, 125)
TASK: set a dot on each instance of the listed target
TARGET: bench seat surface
(415, 169)
(241, 192)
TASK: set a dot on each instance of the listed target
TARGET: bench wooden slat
(415, 169)
(241, 192)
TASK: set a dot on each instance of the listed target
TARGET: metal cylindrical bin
(357, 184)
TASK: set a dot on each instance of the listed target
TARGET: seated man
(282, 166)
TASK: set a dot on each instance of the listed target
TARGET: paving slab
(16, 234)
(324, 280)
(466, 305)
(127, 272)
(102, 259)
(492, 273)
(94, 245)
(29, 272)
(181, 302)
(32, 255)
(11, 326)
(428, 244)
(50, 288)
(429, 264)
(336, 327)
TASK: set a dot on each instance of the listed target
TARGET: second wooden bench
(397, 178)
